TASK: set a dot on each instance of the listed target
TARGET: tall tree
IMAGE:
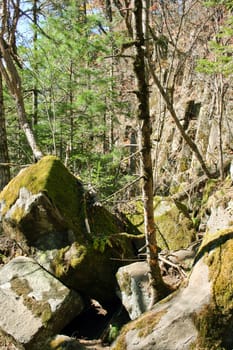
(4, 156)
(140, 30)
(8, 68)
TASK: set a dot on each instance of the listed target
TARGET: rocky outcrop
(50, 215)
(199, 314)
(33, 304)
(170, 324)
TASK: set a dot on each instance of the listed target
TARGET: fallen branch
(14, 164)
(176, 266)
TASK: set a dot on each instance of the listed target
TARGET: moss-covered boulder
(41, 200)
(48, 212)
(174, 225)
(198, 316)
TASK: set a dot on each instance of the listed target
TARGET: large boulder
(53, 218)
(34, 304)
(197, 316)
(174, 226)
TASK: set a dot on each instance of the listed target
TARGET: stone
(198, 315)
(52, 217)
(174, 227)
(219, 206)
(34, 304)
(134, 288)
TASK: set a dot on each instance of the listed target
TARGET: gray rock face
(220, 218)
(134, 288)
(33, 303)
(169, 325)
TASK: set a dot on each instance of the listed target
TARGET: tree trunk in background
(13, 82)
(143, 115)
(4, 157)
(8, 60)
(35, 65)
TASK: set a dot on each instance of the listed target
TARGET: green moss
(39, 308)
(67, 257)
(121, 342)
(174, 226)
(126, 283)
(215, 321)
(144, 325)
(78, 255)
(208, 325)
(221, 274)
(101, 243)
(134, 213)
(209, 188)
(20, 286)
(212, 240)
(18, 214)
(102, 222)
(49, 176)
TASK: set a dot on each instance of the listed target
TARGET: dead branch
(14, 164)
(176, 266)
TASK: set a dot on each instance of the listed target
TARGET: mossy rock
(174, 226)
(199, 315)
(76, 239)
(43, 198)
(46, 198)
(91, 268)
(216, 193)
(215, 321)
(35, 298)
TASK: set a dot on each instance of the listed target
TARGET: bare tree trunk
(13, 82)
(4, 157)
(8, 59)
(35, 65)
(143, 115)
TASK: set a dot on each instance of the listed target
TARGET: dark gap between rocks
(98, 323)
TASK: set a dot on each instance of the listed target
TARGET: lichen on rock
(45, 193)
(49, 213)
(174, 226)
(215, 321)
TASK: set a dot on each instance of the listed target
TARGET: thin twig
(166, 261)
(122, 189)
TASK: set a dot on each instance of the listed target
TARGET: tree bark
(8, 59)
(35, 64)
(13, 82)
(4, 156)
(143, 115)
